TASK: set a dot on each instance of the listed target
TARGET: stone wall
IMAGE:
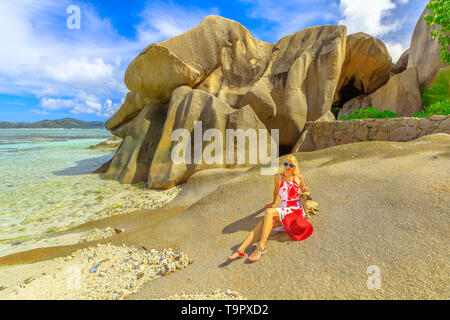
(322, 134)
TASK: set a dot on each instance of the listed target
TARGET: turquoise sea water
(46, 180)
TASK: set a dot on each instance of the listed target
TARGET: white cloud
(161, 20)
(392, 21)
(109, 108)
(395, 50)
(80, 72)
(82, 103)
(41, 56)
(55, 104)
(78, 69)
(366, 16)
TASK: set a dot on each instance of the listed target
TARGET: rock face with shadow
(400, 94)
(424, 52)
(130, 108)
(401, 64)
(132, 160)
(366, 67)
(300, 80)
(188, 107)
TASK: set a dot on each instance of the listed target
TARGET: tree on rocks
(440, 16)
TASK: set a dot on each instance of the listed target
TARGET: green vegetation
(440, 15)
(369, 113)
(67, 123)
(439, 108)
(436, 98)
(439, 90)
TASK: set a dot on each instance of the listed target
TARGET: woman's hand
(269, 205)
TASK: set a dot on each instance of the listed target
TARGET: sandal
(261, 252)
(239, 253)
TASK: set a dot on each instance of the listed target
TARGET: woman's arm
(276, 185)
(302, 185)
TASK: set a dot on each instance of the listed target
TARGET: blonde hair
(294, 161)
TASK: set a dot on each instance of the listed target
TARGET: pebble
(94, 268)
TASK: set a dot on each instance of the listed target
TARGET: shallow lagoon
(47, 184)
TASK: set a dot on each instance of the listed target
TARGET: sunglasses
(290, 165)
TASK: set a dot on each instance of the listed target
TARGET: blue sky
(48, 71)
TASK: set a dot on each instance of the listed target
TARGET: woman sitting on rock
(290, 217)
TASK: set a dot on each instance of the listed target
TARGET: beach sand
(383, 206)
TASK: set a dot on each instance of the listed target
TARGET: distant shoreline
(1, 128)
(65, 123)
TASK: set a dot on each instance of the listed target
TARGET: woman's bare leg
(251, 237)
(271, 213)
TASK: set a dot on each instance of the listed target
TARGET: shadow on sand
(247, 224)
(83, 166)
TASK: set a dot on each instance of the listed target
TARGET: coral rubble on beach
(100, 272)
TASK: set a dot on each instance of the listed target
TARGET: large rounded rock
(187, 108)
(216, 56)
(359, 102)
(130, 108)
(424, 52)
(401, 95)
(285, 83)
(132, 160)
(366, 67)
(300, 80)
(122, 130)
(402, 63)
